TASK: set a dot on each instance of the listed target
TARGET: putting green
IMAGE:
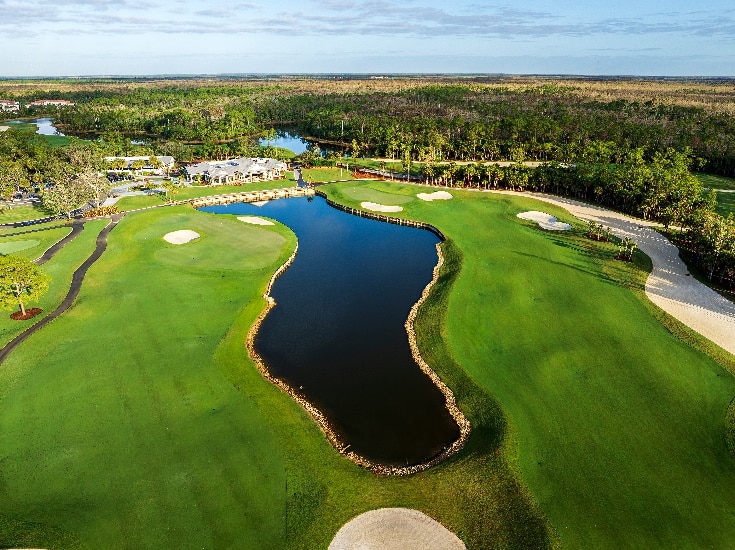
(364, 193)
(12, 247)
(224, 242)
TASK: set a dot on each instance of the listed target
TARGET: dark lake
(337, 332)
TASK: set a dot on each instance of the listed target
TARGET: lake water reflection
(337, 332)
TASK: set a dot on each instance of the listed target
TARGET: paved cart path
(76, 285)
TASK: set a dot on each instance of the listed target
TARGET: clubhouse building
(239, 170)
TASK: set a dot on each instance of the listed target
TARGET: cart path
(670, 285)
(76, 285)
(76, 229)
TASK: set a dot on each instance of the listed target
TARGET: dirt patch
(30, 313)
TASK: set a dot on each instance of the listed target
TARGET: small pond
(287, 140)
(337, 332)
(44, 126)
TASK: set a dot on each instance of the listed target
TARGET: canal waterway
(337, 332)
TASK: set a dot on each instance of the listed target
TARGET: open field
(136, 419)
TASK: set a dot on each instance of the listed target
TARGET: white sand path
(380, 207)
(669, 286)
(395, 529)
(182, 236)
(435, 196)
(255, 220)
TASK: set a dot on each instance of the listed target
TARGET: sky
(158, 37)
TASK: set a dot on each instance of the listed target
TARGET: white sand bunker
(255, 220)
(380, 207)
(436, 196)
(545, 221)
(395, 529)
(182, 236)
(3, 128)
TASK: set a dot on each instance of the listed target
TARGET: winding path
(670, 285)
(76, 229)
(76, 285)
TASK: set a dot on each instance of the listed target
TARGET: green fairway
(620, 427)
(137, 420)
(31, 242)
(189, 445)
(361, 193)
(60, 268)
(22, 213)
(725, 203)
(716, 182)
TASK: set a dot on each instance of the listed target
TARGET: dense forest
(626, 143)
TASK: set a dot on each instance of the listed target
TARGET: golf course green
(136, 419)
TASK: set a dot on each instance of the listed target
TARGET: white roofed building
(9, 105)
(126, 163)
(239, 170)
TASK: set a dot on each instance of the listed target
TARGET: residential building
(50, 103)
(9, 105)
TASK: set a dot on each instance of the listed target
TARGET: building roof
(245, 166)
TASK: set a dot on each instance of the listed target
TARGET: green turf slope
(620, 427)
(117, 425)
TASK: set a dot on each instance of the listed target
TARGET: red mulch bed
(30, 312)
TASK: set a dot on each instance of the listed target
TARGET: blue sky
(139, 37)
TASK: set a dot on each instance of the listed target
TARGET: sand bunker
(545, 221)
(436, 196)
(3, 128)
(182, 236)
(380, 207)
(255, 220)
(395, 529)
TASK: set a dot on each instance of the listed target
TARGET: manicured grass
(150, 424)
(325, 174)
(136, 439)
(716, 182)
(136, 419)
(22, 213)
(619, 425)
(725, 203)
(31, 242)
(60, 268)
(362, 193)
